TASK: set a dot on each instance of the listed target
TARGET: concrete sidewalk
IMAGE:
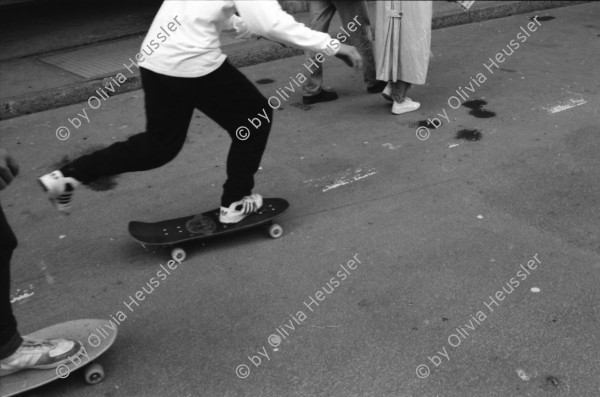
(40, 71)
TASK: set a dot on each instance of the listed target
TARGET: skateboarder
(188, 70)
(17, 353)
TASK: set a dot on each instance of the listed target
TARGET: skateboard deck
(96, 336)
(205, 225)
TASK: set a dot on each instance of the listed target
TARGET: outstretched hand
(350, 56)
(9, 169)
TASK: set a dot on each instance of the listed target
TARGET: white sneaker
(241, 209)
(407, 105)
(60, 189)
(387, 93)
(39, 354)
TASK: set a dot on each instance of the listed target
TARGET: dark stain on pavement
(265, 81)
(551, 318)
(421, 123)
(508, 70)
(544, 18)
(469, 135)
(475, 104)
(482, 113)
(477, 109)
(552, 381)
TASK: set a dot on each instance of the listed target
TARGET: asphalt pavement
(470, 251)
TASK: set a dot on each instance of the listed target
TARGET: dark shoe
(377, 88)
(323, 96)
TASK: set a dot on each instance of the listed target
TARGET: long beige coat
(403, 40)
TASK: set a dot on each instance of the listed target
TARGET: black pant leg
(232, 101)
(9, 336)
(168, 118)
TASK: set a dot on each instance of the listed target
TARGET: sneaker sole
(406, 110)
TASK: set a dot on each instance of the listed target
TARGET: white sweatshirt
(183, 40)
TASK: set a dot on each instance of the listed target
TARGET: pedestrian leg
(232, 101)
(399, 90)
(322, 11)
(353, 14)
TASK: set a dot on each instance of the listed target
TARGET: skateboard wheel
(178, 255)
(275, 231)
(94, 373)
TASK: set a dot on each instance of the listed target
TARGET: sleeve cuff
(332, 47)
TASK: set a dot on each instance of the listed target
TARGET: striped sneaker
(60, 189)
(241, 209)
(39, 354)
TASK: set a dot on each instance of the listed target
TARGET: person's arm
(9, 169)
(267, 18)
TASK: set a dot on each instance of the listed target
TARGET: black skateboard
(206, 225)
